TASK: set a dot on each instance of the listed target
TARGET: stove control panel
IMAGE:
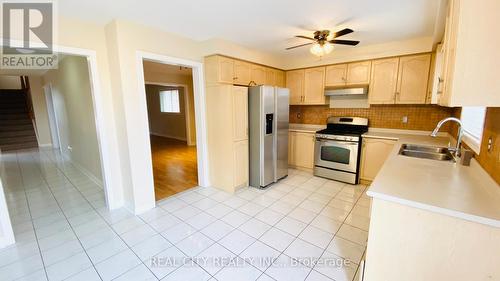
(337, 137)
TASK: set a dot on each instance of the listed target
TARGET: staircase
(16, 127)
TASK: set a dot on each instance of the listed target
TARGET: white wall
(72, 99)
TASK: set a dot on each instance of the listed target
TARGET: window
(169, 101)
(473, 123)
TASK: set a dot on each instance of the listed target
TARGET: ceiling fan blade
(305, 37)
(289, 48)
(342, 32)
(344, 42)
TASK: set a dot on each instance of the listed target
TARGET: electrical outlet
(490, 144)
(70, 148)
(405, 119)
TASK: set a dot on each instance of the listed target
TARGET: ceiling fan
(321, 45)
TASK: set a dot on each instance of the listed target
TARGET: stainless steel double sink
(427, 152)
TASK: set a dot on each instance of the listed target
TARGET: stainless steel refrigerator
(268, 109)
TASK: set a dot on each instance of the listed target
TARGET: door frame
(199, 110)
(112, 182)
(186, 105)
(52, 116)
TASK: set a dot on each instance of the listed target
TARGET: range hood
(346, 91)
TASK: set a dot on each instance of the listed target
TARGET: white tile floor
(64, 231)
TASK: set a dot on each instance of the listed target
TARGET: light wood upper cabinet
(374, 152)
(242, 72)
(258, 74)
(279, 78)
(301, 149)
(240, 113)
(226, 67)
(383, 81)
(413, 76)
(471, 56)
(358, 73)
(295, 83)
(219, 69)
(336, 75)
(270, 73)
(314, 86)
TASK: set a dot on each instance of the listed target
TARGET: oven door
(338, 155)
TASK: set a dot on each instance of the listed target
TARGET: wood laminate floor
(174, 166)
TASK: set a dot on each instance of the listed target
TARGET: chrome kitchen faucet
(456, 150)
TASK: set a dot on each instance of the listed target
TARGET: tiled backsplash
(490, 160)
(420, 117)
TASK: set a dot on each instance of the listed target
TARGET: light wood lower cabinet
(301, 149)
(227, 132)
(241, 169)
(374, 152)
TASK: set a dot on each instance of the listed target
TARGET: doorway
(172, 127)
(54, 130)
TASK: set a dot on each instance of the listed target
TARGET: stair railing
(25, 84)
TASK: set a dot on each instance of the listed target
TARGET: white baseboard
(85, 171)
(168, 136)
(45, 145)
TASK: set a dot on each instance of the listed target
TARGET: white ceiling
(268, 25)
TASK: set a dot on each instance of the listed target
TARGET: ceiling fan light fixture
(320, 50)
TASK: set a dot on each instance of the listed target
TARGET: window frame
(160, 96)
(469, 139)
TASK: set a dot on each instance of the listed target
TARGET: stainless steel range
(338, 149)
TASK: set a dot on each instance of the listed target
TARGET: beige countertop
(305, 128)
(448, 188)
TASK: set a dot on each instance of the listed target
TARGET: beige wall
(162, 74)
(72, 98)
(172, 125)
(9, 82)
(115, 46)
